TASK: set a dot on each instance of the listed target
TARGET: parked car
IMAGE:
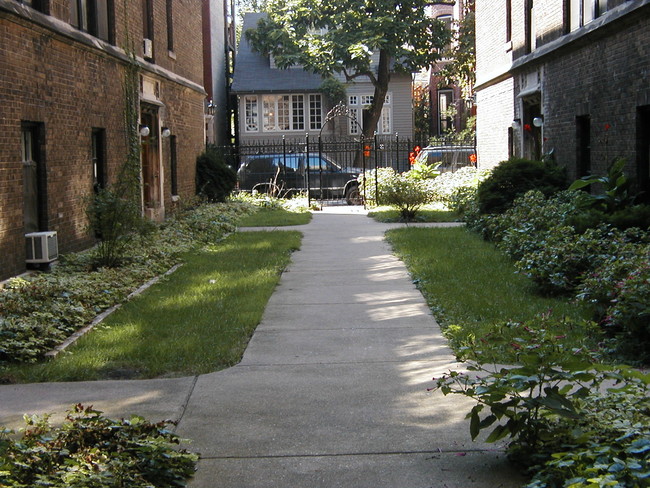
(284, 174)
(447, 158)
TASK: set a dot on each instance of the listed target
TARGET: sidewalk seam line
(186, 402)
(345, 454)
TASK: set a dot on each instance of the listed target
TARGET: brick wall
(600, 71)
(69, 88)
(493, 119)
(606, 80)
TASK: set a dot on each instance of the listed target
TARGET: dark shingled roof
(253, 73)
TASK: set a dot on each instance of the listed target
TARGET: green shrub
(115, 220)
(629, 314)
(456, 190)
(92, 451)
(512, 178)
(553, 407)
(373, 184)
(563, 258)
(215, 180)
(407, 195)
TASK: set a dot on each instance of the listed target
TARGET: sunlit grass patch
(197, 320)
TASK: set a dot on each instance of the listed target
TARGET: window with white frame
(315, 112)
(358, 104)
(251, 116)
(581, 12)
(282, 113)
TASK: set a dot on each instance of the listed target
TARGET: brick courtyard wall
(70, 88)
(606, 80)
(493, 118)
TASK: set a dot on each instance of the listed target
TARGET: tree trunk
(381, 88)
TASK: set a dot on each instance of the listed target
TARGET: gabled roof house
(275, 102)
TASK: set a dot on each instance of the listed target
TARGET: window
(147, 23)
(643, 151)
(298, 112)
(357, 110)
(98, 158)
(287, 113)
(448, 21)
(34, 184)
(583, 145)
(251, 118)
(508, 20)
(315, 112)
(40, 5)
(92, 16)
(173, 164)
(581, 12)
(530, 30)
(445, 105)
(170, 25)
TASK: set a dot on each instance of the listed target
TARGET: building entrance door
(151, 168)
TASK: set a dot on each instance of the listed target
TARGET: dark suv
(287, 173)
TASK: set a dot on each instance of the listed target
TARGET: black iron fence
(350, 155)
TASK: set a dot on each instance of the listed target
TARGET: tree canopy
(355, 38)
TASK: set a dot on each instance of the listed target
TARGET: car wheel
(353, 196)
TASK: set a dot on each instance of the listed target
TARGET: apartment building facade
(569, 79)
(448, 109)
(62, 106)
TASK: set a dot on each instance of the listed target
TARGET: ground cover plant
(198, 320)
(573, 417)
(90, 450)
(38, 312)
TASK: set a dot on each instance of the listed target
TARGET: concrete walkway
(332, 389)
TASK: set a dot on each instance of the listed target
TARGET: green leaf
(499, 432)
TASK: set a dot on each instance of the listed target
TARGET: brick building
(447, 108)
(567, 77)
(62, 129)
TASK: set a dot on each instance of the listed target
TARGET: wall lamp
(516, 123)
(144, 130)
(165, 132)
(538, 122)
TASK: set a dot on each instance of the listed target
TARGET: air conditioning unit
(147, 48)
(41, 247)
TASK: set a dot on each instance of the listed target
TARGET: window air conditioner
(41, 247)
(147, 48)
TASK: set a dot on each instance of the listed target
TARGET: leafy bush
(512, 178)
(89, 450)
(422, 171)
(407, 195)
(456, 190)
(551, 407)
(629, 315)
(564, 257)
(215, 180)
(373, 184)
(115, 220)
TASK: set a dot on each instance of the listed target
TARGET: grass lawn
(425, 214)
(275, 217)
(469, 283)
(198, 320)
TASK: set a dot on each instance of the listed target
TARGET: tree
(461, 69)
(355, 38)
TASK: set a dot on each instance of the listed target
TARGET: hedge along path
(100, 318)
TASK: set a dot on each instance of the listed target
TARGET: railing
(352, 155)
